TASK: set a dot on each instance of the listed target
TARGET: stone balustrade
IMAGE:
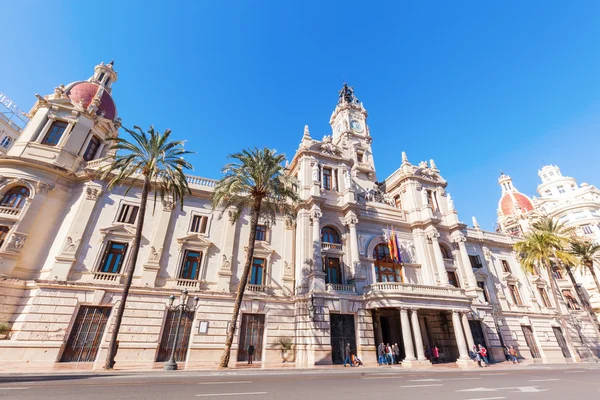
(107, 277)
(256, 288)
(331, 246)
(198, 181)
(338, 288)
(187, 283)
(395, 287)
(10, 211)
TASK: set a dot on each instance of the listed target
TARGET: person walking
(428, 352)
(389, 354)
(347, 353)
(396, 351)
(381, 354)
(507, 353)
(483, 353)
(513, 354)
(250, 353)
(476, 356)
(435, 353)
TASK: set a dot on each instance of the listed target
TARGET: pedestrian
(389, 354)
(513, 354)
(396, 351)
(428, 352)
(347, 353)
(483, 353)
(381, 354)
(507, 353)
(435, 353)
(250, 353)
(477, 356)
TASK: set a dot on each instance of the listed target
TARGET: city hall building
(366, 260)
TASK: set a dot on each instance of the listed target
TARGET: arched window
(386, 270)
(446, 253)
(15, 197)
(330, 235)
(6, 141)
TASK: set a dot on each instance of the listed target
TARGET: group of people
(479, 354)
(351, 358)
(511, 354)
(388, 355)
(432, 354)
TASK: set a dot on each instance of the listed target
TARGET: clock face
(356, 126)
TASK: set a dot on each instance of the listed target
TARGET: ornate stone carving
(327, 147)
(70, 245)
(44, 188)
(450, 203)
(16, 242)
(441, 191)
(487, 253)
(315, 172)
(351, 219)
(226, 263)
(92, 193)
(167, 205)
(315, 214)
(154, 254)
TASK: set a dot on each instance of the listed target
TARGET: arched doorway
(386, 269)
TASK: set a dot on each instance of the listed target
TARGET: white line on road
(572, 372)
(495, 373)
(382, 377)
(431, 384)
(230, 394)
(488, 398)
(13, 388)
(440, 380)
(224, 382)
(544, 380)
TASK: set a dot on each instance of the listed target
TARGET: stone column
(466, 262)
(67, 255)
(439, 259)
(467, 329)
(317, 281)
(409, 349)
(460, 337)
(418, 338)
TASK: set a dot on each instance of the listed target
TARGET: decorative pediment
(194, 240)
(262, 249)
(120, 230)
(538, 281)
(480, 275)
(509, 277)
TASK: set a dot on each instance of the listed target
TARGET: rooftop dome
(83, 93)
(507, 203)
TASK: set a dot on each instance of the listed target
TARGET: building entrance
(342, 332)
(84, 341)
(253, 326)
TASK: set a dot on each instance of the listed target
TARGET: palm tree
(256, 179)
(546, 244)
(586, 252)
(159, 161)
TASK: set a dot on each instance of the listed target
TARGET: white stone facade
(324, 279)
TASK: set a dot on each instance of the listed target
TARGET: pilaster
(151, 267)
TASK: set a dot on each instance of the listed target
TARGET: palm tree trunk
(593, 272)
(254, 214)
(561, 317)
(112, 347)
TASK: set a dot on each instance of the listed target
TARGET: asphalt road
(535, 382)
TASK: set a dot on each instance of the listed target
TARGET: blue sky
(479, 86)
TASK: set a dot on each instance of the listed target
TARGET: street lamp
(171, 365)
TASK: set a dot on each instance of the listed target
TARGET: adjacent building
(365, 261)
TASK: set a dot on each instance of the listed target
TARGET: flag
(398, 249)
(394, 246)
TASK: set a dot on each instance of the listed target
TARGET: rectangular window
(475, 261)
(92, 149)
(398, 202)
(505, 266)
(199, 223)
(190, 266)
(258, 271)
(571, 301)
(113, 257)
(333, 270)
(481, 285)
(452, 278)
(557, 273)
(261, 233)
(128, 214)
(3, 233)
(544, 296)
(561, 189)
(359, 157)
(55, 133)
(327, 178)
(516, 296)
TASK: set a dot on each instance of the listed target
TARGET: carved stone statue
(154, 254)
(450, 203)
(70, 245)
(226, 263)
(346, 95)
(315, 172)
(347, 179)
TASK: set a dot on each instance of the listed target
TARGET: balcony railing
(107, 277)
(395, 287)
(331, 246)
(338, 288)
(187, 283)
(256, 288)
(10, 211)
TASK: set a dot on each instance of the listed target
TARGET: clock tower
(349, 116)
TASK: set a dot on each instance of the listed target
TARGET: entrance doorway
(342, 332)
(530, 340)
(477, 332)
(168, 336)
(86, 334)
(251, 333)
(561, 341)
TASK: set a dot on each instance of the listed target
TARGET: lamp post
(171, 365)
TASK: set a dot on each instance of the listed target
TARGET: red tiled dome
(507, 205)
(84, 92)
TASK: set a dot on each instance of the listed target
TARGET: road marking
(13, 388)
(488, 398)
(572, 372)
(525, 389)
(382, 377)
(495, 373)
(544, 380)
(432, 384)
(225, 382)
(440, 380)
(230, 394)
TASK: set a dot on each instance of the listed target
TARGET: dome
(507, 203)
(83, 93)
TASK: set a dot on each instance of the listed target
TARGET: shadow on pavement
(48, 378)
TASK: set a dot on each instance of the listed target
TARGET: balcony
(10, 212)
(405, 288)
(256, 288)
(331, 246)
(186, 283)
(337, 288)
(107, 277)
